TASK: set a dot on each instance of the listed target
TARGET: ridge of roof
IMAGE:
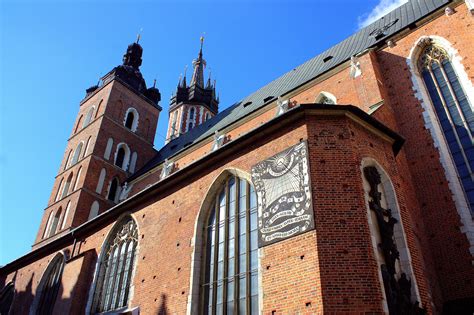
(390, 24)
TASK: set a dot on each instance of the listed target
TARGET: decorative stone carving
(218, 140)
(283, 106)
(283, 190)
(355, 67)
(390, 43)
(449, 11)
(397, 291)
(125, 191)
(168, 167)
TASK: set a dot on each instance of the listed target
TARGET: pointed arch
(108, 148)
(60, 189)
(78, 177)
(48, 224)
(77, 153)
(48, 287)
(67, 186)
(112, 286)
(439, 126)
(98, 109)
(94, 210)
(78, 124)
(130, 120)
(191, 118)
(389, 200)
(67, 160)
(122, 156)
(100, 183)
(88, 118)
(55, 222)
(66, 213)
(325, 98)
(229, 184)
(88, 143)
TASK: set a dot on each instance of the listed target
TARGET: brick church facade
(345, 186)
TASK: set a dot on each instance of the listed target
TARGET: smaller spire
(208, 85)
(154, 83)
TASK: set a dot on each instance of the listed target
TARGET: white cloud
(382, 8)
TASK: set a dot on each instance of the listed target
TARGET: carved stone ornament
(168, 167)
(355, 67)
(218, 140)
(282, 106)
(283, 188)
(397, 291)
(449, 11)
(125, 191)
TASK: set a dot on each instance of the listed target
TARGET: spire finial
(139, 35)
(154, 83)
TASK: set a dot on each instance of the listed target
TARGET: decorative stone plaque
(283, 190)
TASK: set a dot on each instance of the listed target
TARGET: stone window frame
(391, 200)
(194, 298)
(39, 289)
(93, 286)
(136, 118)
(432, 124)
(126, 158)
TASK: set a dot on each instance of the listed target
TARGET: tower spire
(199, 65)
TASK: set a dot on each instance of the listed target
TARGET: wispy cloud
(382, 8)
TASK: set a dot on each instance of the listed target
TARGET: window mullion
(458, 106)
(226, 249)
(451, 122)
(247, 248)
(236, 245)
(216, 256)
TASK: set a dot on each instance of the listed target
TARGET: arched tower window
(49, 287)
(230, 278)
(78, 124)
(113, 190)
(453, 111)
(100, 183)
(78, 177)
(94, 210)
(77, 153)
(67, 159)
(325, 98)
(64, 221)
(133, 162)
(87, 146)
(60, 187)
(48, 224)
(131, 119)
(88, 118)
(122, 156)
(191, 118)
(108, 148)
(67, 186)
(114, 278)
(55, 222)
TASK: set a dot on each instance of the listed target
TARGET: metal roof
(390, 24)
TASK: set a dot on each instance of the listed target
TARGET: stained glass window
(453, 110)
(230, 281)
(116, 267)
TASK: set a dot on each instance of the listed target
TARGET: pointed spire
(199, 65)
(208, 85)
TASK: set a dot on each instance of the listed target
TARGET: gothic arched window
(191, 118)
(88, 118)
(77, 153)
(120, 157)
(113, 190)
(49, 286)
(67, 186)
(453, 110)
(129, 120)
(114, 278)
(55, 222)
(230, 280)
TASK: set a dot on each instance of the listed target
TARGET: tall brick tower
(112, 137)
(192, 104)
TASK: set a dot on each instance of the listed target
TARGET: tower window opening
(113, 190)
(120, 157)
(129, 120)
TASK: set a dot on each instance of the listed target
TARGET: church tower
(112, 137)
(192, 104)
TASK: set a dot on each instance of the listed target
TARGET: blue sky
(51, 51)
